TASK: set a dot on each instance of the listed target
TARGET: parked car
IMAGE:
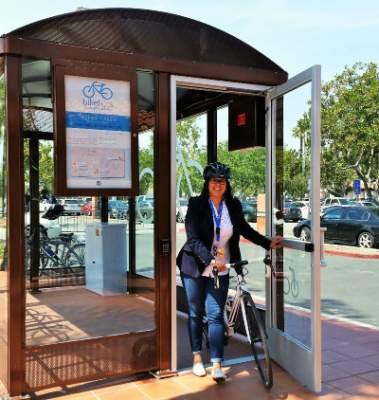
(145, 211)
(303, 206)
(118, 209)
(71, 206)
(346, 224)
(86, 209)
(143, 198)
(368, 203)
(286, 206)
(336, 201)
(181, 209)
(249, 210)
(293, 213)
(52, 226)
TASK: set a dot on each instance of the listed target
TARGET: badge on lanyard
(217, 218)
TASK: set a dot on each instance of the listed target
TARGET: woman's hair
(228, 195)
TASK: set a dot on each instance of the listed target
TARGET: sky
(295, 34)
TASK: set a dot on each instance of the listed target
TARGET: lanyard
(217, 218)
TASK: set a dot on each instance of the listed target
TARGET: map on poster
(98, 133)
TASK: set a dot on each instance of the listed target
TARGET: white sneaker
(198, 369)
(218, 374)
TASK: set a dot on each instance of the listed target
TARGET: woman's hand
(221, 267)
(276, 242)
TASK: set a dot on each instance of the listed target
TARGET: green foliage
(295, 172)
(46, 166)
(349, 128)
(248, 169)
(146, 160)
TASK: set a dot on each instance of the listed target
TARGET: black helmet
(216, 170)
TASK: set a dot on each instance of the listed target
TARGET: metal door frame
(281, 345)
(195, 83)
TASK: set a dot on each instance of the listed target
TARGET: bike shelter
(169, 67)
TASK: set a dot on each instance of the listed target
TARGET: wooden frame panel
(162, 203)
(15, 194)
(100, 72)
(40, 49)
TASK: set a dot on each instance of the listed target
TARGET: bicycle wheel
(75, 256)
(257, 338)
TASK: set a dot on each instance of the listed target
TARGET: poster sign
(357, 187)
(98, 133)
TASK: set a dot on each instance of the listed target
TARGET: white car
(52, 226)
(336, 201)
(71, 206)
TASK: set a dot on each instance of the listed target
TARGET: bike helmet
(216, 170)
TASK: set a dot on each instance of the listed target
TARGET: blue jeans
(201, 295)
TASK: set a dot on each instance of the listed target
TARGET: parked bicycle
(60, 254)
(63, 253)
(242, 316)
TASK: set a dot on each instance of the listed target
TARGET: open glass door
(293, 284)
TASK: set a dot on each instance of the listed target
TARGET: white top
(226, 232)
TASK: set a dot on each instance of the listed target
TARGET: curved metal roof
(146, 32)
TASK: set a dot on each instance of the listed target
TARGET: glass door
(293, 283)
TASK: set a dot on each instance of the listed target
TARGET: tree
(349, 129)
(295, 174)
(248, 169)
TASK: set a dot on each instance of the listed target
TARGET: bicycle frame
(236, 305)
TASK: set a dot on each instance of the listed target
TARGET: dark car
(346, 224)
(249, 210)
(118, 209)
(292, 212)
(286, 206)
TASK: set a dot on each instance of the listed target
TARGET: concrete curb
(352, 254)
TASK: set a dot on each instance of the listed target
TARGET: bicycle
(249, 324)
(97, 87)
(292, 285)
(61, 254)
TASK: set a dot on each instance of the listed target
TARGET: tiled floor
(350, 372)
(73, 313)
(241, 384)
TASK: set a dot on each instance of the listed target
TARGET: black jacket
(196, 254)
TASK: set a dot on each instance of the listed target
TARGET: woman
(214, 223)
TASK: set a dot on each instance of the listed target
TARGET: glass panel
(292, 212)
(36, 83)
(248, 182)
(293, 145)
(293, 293)
(142, 271)
(145, 206)
(191, 158)
(3, 238)
(76, 265)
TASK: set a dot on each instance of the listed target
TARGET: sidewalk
(350, 372)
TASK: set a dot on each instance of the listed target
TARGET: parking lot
(349, 281)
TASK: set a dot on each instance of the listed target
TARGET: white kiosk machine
(105, 258)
